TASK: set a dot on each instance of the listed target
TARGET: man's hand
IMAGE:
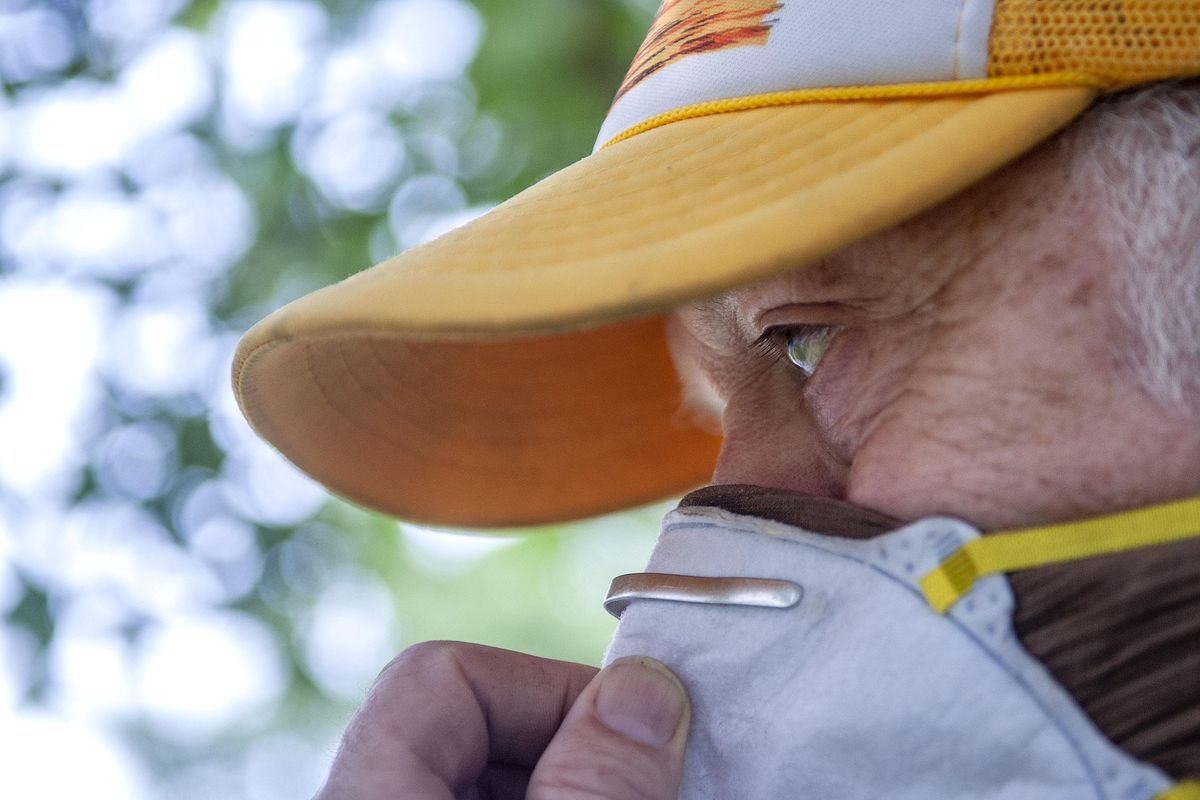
(450, 721)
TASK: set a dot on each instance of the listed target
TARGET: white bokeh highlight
(198, 675)
(119, 222)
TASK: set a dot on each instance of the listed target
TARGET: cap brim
(511, 371)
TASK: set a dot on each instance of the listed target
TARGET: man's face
(978, 370)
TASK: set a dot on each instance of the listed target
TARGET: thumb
(623, 739)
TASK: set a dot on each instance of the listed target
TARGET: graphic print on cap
(689, 27)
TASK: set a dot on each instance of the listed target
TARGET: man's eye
(806, 345)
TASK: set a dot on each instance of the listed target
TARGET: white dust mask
(819, 668)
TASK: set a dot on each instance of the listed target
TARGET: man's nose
(770, 440)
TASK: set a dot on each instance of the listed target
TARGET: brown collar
(1121, 633)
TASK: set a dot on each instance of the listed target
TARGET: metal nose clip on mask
(859, 669)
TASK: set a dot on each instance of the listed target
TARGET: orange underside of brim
(507, 433)
(515, 370)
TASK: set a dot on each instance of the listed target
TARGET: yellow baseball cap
(515, 370)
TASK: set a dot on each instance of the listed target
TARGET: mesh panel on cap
(1126, 41)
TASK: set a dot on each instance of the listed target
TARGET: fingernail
(640, 699)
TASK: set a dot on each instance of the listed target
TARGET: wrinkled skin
(981, 372)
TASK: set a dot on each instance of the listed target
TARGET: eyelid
(774, 339)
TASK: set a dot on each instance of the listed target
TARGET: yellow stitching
(895, 91)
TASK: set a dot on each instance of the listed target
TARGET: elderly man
(904, 337)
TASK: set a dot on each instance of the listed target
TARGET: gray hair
(1140, 152)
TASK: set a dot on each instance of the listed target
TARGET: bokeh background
(182, 614)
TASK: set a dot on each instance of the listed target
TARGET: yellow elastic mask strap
(1187, 790)
(1054, 544)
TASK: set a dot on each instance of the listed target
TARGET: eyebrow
(699, 402)
(718, 312)
(700, 398)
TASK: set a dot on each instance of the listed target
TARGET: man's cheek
(770, 439)
(864, 372)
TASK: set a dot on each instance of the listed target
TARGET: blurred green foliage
(530, 103)
(545, 72)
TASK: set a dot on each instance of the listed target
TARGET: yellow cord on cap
(1054, 544)
(833, 94)
(1185, 790)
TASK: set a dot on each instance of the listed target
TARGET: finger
(622, 740)
(504, 782)
(441, 711)
(499, 782)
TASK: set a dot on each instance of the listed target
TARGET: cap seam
(835, 94)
